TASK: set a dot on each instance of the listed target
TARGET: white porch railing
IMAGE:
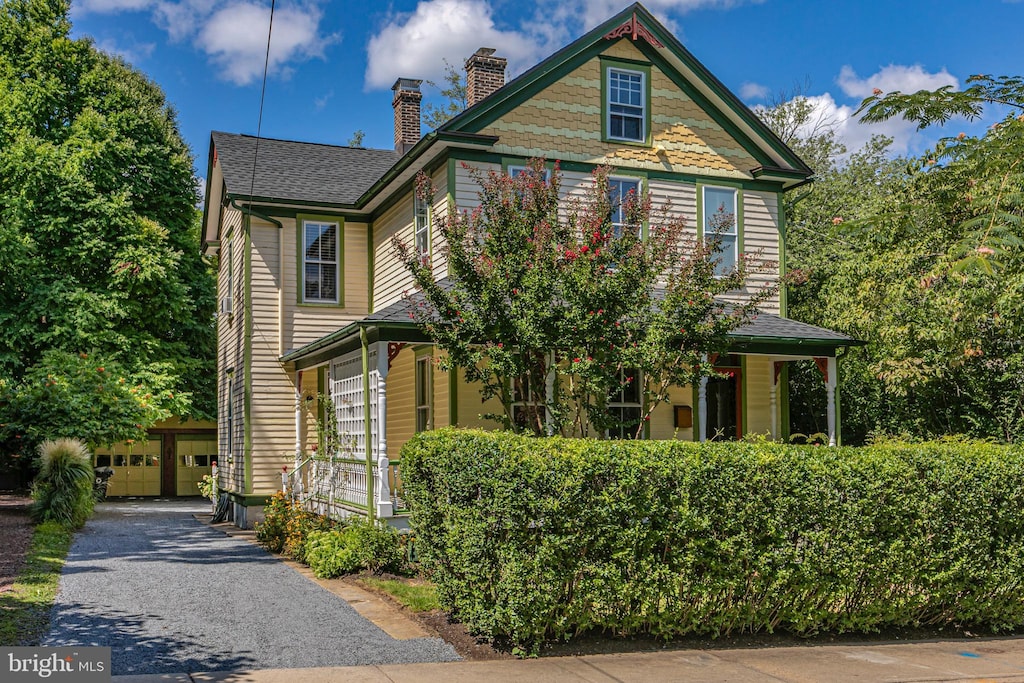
(340, 484)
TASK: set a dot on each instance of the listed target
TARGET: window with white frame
(424, 417)
(514, 171)
(625, 405)
(721, 226)
(619, 190)
(421, 221)
(320, 261)
(627, 97)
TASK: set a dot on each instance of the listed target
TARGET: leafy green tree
(922, 258)
(552, 307)
(98, 222)
(455, 98)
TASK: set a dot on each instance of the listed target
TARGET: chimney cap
(484, 52)
(407, 84)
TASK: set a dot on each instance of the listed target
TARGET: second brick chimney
(485, 73)
(407, 113)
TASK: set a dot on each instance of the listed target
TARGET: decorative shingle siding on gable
(564, 121)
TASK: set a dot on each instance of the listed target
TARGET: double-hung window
(619, 190)
(721, 226)
(424, 419)
(421, 226)
(320, 261)
(514, 171)
(625, 108)
(625, 406)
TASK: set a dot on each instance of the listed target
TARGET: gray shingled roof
(300, 171)
(764, 325)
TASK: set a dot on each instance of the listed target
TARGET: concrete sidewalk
(990, 659)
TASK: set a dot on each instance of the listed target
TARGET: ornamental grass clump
(62, 491)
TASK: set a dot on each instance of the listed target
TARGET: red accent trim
(779, 364)
(633, 29)
(713, 358)
(214, 156)
(394, 348)
(822, 364)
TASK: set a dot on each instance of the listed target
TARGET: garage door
(136, 467)
(194, 455)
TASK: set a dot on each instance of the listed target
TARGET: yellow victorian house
(314, 302)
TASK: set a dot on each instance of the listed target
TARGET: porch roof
(765, 333)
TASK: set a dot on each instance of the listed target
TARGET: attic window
(625, 107)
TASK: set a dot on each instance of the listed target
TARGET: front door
(136, 467)
(725, 404)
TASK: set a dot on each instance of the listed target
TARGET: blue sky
(333, 63)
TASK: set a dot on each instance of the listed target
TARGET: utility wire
(263, 93)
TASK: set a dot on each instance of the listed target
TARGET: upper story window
(421, 223)
(320, 271)
(514, 171)
(625, 108)
(721, 224)
(620, 191)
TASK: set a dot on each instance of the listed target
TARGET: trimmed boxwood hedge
(531, 539)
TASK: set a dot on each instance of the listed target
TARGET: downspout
(280, 269)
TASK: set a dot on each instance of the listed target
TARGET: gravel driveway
(168, 594)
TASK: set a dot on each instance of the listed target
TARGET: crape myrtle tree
(99, 262)
(553, 308)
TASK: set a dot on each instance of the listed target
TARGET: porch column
(296, 474)
(830, 393)
(384, 506)
(702, 409)
(772, 392)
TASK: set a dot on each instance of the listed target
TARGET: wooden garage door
(194, 455)
(136, 467)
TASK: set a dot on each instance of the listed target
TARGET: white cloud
(111, 6)
(233, 35)
(234, 39)
(590, 13)
(907, 79)
(319, 103)
(133, 53)
(415, 45)
(852, 133)
(753, 91)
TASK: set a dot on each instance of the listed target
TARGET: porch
(347, 380)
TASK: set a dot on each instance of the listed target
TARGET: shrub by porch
(531, 539)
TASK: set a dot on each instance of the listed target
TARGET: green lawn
(419, 597)
(25, 609)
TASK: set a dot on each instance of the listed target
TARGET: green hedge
(532, 539)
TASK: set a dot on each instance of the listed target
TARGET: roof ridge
(303, 142)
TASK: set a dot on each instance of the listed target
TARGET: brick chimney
(485, 73)
(407, 113)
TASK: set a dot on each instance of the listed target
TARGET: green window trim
(422, 210)
(300, 270)
(423, 388)
(722, 185)
(609, 66)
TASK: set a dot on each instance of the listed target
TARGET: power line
(263, 93)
